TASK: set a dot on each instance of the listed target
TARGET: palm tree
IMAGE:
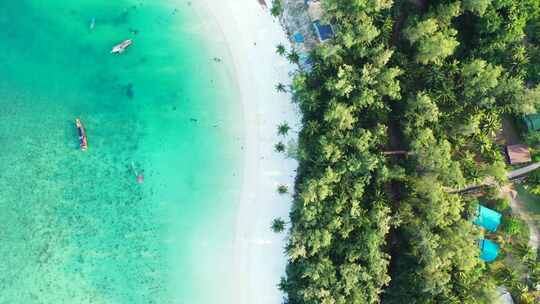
(283, 129)
(280, 49)
(293, 57)
(312, 127)
(280, 147)
(282, 189)
(280, 87)
(277, 8)
(278, 225)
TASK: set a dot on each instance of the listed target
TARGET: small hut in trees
(487, 218)
(518, 154)
(532, 122)
(489, 250)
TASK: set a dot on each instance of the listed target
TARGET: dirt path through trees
(518, 208)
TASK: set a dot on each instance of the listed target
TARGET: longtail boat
(82, 135)
(120, 48)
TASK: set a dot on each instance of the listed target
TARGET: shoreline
(251, 35)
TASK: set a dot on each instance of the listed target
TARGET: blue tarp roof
(324, 31)
(487, 218)
(488, 250)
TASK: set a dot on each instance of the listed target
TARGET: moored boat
(82, 135)
(120, 48)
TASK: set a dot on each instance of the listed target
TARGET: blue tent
(298, 38)
(487, 218)
(488, 250)
(324, 31)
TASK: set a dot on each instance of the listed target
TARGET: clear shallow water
(76, 227)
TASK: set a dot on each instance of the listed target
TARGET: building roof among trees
(487, 218)
(504, 296)
(518, 154)
(315, 10)
(489, 250)
(532, 122)
(324, 31)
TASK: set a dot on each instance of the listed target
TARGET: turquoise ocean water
(75, 227)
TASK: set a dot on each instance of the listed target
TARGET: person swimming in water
(139, 176)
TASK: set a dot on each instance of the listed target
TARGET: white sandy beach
(251, 35)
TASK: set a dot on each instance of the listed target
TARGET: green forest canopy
(432, 78)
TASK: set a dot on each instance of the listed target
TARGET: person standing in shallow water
(139, 177)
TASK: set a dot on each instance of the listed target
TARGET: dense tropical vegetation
(434, 78)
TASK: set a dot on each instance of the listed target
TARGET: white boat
(120, 48)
